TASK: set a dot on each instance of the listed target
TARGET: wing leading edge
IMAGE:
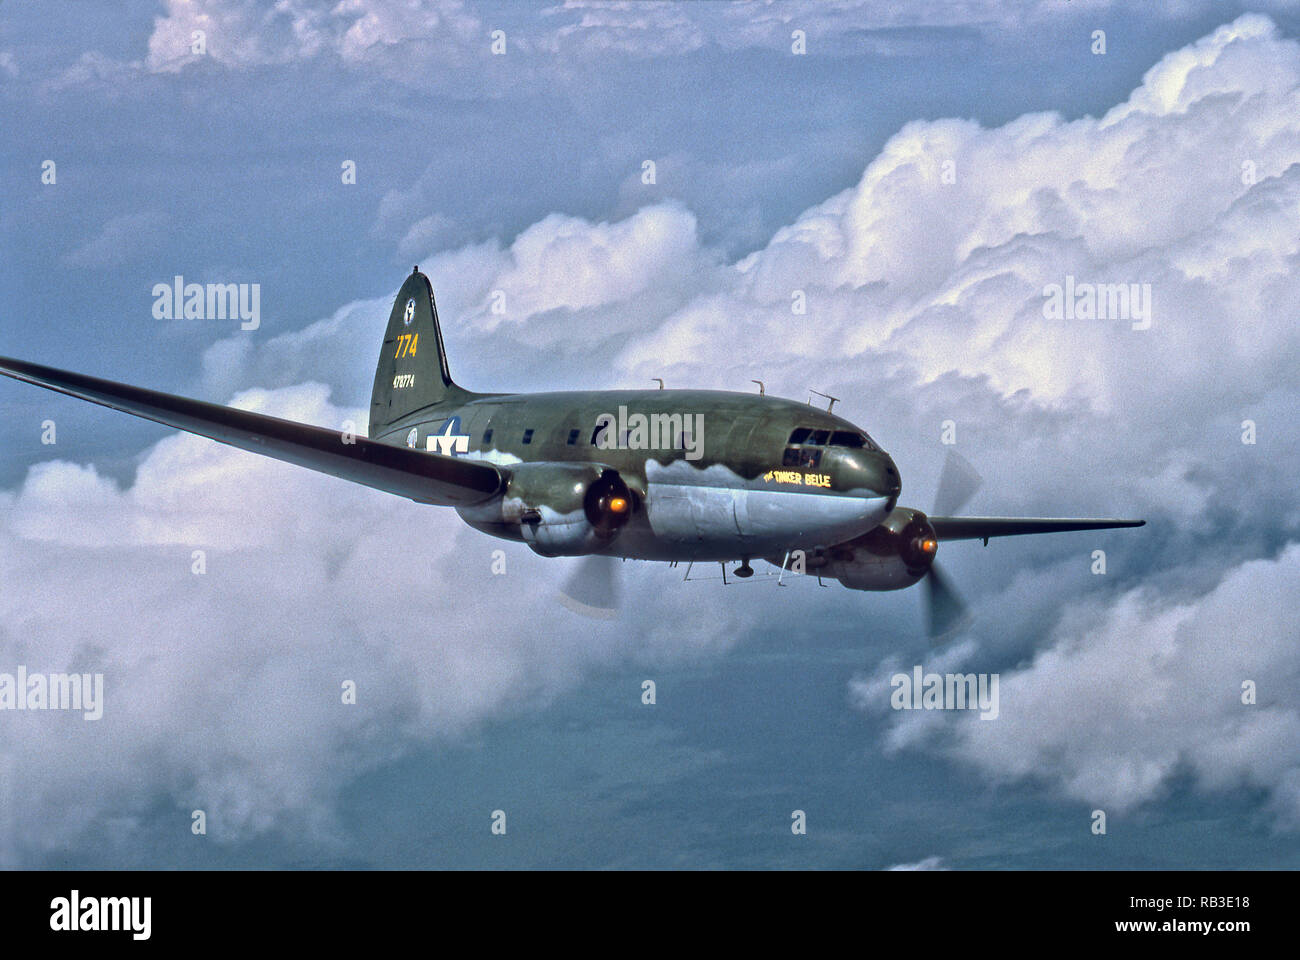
(981, 528)
(423, 477)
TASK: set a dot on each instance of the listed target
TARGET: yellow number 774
(406, 344)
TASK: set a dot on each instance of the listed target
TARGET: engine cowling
(894, 555)
(559, 509)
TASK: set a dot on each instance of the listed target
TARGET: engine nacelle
(558, 509)
(894, 555)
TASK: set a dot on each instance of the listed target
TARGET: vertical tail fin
(412, 372)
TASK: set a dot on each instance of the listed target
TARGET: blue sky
(522, 172)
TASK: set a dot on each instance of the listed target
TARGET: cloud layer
(223, 688)
(924, 291)
(929, 275)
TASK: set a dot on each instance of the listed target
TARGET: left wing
(981, 528)
(423, 477)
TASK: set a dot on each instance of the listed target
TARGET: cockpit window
(796, 457)
(838, 438)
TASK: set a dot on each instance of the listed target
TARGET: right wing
(423, 477)
(981, 528)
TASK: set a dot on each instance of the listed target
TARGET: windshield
(853, 439)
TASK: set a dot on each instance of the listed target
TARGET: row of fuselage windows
(801, 436)
(528, 436)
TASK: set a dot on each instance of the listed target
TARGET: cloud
(925, 299)
(835, 27)
(950, 275)
(325, 350)
(560, 274)
(223, 689)
(98, 72)
(443, 35)
(248, 33)
(425, 234)
(1130, 695)
(924, 303)
(565, 263)
(444, 46)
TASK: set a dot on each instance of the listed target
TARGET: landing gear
(744, 571)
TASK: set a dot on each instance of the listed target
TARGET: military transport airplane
(668, 475)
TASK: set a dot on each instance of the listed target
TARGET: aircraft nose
(875, 474)
(882, 476)
(893, 482)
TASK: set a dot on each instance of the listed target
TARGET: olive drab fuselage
(713, 474)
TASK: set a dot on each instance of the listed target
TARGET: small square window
(487, 436)
(528, 436)
(573, 437)
(791, 458)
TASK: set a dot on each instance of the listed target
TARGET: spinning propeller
(593, 589)
(945, 611)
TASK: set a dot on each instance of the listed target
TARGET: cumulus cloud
(925, 282)
(950, 275)
(939, 256)
(566, 263)
(244, 33)
(924, 289)
(1129, 695)
(439, 34)
(223, 689)
(560, 275)
(325, 350)
(429, 44)
(928, 277)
